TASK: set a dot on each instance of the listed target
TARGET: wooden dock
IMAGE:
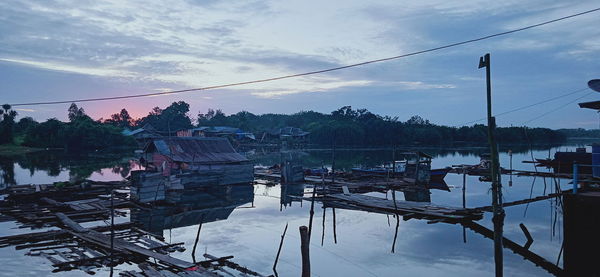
(76, 247)
(354, 184)
(434, 214)
(406, 209)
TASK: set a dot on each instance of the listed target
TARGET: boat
(380, 171)
(416, 165)
(439, 173)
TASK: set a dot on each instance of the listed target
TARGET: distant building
(292, 134)
(143, 135)
(218, 131)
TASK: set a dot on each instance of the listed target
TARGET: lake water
(248, 221)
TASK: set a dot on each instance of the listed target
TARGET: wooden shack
(188, 163)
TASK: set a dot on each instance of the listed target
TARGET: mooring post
(498, 218)
(197, 239)
(575, 178)
(333, 159)
(304, 249)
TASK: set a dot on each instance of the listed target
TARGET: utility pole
(498, 218)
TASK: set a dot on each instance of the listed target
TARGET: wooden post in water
(498, 218)
(279, 250)
(197, 239)
(304, 249)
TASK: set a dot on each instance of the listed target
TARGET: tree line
(344, 126)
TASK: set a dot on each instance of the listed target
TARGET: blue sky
(61, 50)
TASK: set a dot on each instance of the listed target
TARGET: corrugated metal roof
(196, 150)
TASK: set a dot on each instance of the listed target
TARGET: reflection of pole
(334, 231)
(511, 168)
(279, 250)
(464, 199)
(498, 218)
(112, 227)
(323, 233)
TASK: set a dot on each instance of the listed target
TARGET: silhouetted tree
(75, 112)
(121, 119)
(7, 117)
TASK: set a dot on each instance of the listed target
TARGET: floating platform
(406, 209)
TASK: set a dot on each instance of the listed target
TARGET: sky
(62, 50)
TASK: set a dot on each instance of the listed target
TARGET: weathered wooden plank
(149, 271)
(71, 224)
(412, 209)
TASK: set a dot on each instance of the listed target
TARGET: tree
(7, 117)
(172, 119)
(417, 120)
(75, 112)
(121, 119)
(25, 124)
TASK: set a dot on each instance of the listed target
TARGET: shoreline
(11, 150)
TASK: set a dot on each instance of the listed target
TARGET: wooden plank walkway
(407, 209)
(519, 202)
(363, 184)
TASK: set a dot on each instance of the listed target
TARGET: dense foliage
(81, 133)
(580, 133)
(360, 127)
(345, 126)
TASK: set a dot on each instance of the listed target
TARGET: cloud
(24, 110)
(106, 72)
(417, 85)
(141, 45)
(318, 86)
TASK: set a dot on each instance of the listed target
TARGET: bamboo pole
(498, 218)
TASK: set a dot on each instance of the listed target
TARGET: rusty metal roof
(196, 150)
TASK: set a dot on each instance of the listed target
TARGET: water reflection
(364, 239)
(191, 207)
(53, 163)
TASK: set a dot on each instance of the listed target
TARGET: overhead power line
(556, 109)
(525, 107)
(311, 72)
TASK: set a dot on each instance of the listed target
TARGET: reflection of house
(289, 190)
(193, 207)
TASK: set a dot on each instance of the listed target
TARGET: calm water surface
(247, 222)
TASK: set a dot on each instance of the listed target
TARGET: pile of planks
(41, 212)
